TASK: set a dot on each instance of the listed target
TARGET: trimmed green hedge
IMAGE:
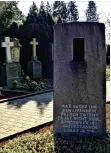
(45, 142)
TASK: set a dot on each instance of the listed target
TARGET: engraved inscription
(79, 118)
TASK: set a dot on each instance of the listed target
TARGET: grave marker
(34, 69)
(34, 43)
(10, 70)
(79, 79)
(15, 51)
(7, 44)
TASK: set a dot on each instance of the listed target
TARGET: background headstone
(11, 70)
(15, 51)
(34, 43)
(34, 68)
(79, 79)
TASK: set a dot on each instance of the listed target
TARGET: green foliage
(12, 31)
(32, 15)
(60, 10)
(29, 85)
(48, 8)
(10, 13)
(27, 79)
(40, 24)
(15, 83)
(64, 13)
(73, 13)
(91, 12)
(57, 8)
(59, 20)
(46, 142)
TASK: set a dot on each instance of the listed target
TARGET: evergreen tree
(12, 31)
(64, 13)
(39, 25)
(42, 13)
(73, 13)
(60, 10)
(48, 8)
(59, 20)
(42, 7)
(32, 15)
(91, 12)
(57, 8)
(9, 14)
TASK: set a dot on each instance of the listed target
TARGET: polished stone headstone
(79, 79)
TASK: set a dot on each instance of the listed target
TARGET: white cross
(8, 44)
(34, 43)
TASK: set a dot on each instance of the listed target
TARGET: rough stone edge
(27, 95)
(25, 131)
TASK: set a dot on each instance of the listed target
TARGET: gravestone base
(9, 73)
(34, 69)
(34, 58)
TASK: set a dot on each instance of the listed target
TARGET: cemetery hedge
(44, 141)
(27, 84)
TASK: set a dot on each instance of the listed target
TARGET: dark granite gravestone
(50, 61)
(9, 73)
(34, 69)
(79, 79)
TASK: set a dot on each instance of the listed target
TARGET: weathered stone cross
(8, 44)
(34, 43)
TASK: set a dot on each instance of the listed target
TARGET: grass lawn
(43, 141)
(107, 72)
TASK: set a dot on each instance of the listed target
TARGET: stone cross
(34, 43)
(8, 44)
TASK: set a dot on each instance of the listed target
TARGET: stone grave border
(27, 94)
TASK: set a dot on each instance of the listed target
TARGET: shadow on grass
(82, 144)
(41, 101)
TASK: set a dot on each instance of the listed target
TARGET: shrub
(14, 83)
(27, 78)
(46, 142)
